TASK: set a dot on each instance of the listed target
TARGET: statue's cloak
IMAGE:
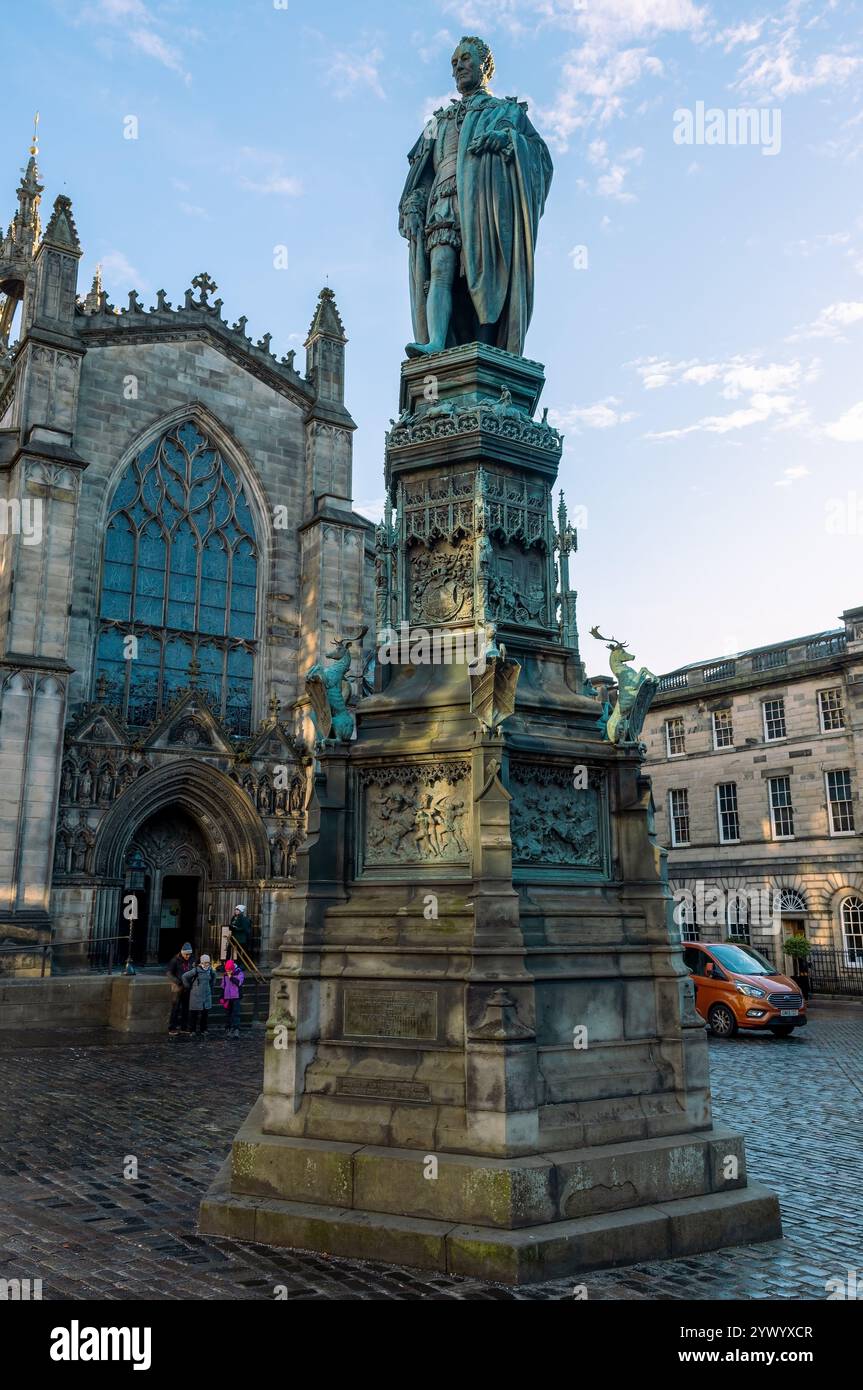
(501, 199)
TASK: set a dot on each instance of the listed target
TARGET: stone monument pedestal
(513, 1221)
(482, 1054)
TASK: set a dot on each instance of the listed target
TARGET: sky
(699, 302)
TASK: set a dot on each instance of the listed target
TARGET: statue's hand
(488, 144)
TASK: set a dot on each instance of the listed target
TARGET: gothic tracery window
(179, 574)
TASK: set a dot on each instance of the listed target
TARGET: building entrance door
(168, 858)
(178, 920)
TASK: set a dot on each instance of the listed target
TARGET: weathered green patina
(479, 177)
(623, 722)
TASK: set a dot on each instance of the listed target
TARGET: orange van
(736, 987)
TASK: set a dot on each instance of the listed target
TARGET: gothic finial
(102, 688)
(34, 144)
(275, 706)
(206, 286)
(327, 320)
(194, 673)
(61, 229)
(93, 297)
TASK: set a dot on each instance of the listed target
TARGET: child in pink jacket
(232, 986)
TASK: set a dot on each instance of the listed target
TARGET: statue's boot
(423, 349)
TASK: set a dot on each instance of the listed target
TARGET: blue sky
(705, 363)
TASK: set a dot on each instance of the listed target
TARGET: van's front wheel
(722, 1021)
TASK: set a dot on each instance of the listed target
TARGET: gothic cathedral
(177, 548)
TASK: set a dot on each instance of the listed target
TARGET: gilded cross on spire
(34, 144)
(206, 285)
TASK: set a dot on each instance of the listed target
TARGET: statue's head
(472, 65)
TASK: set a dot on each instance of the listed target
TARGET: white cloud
(771, 391)
(429, 48)
(776, 67)
(149, 42)
(741, 377)
(118, 273)
(352, 69)
(609, 183)
(848, 429)
(808, 246)
(593, 89)
(274, 183)
(702, 373)
(145, 30)
(791, 476)
(748, 31)
(606, 20)
(261, 172)
(602, 415)
(831, 321)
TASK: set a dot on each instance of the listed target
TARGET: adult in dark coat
(241, 928)
(180, 1008)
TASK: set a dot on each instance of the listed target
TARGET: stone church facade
(177, 548)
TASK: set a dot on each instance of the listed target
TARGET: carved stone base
(512, 1220)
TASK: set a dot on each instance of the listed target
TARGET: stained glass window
(180, 577)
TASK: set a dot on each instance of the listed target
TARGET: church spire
(325, 350)
(327, 321)
(26, 227)
(18, 246)
(93, 300)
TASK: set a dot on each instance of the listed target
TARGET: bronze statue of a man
(479, 177)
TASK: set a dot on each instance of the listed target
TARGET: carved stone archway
(235, 836)
(234, 854)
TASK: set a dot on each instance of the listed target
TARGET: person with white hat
(240, 928)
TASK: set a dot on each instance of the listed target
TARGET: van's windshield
(743, 962)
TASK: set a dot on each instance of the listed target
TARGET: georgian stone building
(757, 767)
(177, 548)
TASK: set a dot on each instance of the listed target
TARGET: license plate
(789, 1013)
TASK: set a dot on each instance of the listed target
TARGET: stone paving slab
(78, 1108)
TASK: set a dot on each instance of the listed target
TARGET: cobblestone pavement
(75, 1109)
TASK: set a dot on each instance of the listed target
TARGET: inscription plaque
(390, 1013)
(381, 1088)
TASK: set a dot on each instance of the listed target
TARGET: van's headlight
(753, 991)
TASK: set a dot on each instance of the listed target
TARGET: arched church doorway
(187, 842)
(168, 871)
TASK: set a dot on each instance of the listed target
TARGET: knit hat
(229, 967)
(186, 948)
(241, 907)
(205, 959)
